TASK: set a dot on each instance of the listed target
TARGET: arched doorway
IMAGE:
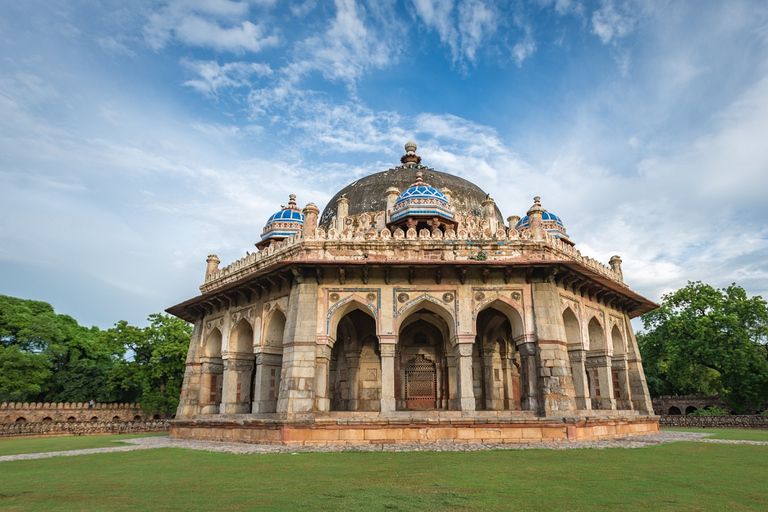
(268, 364)
(354, 380)
(674, 411)
(496, 363)
(238, 369)
(619, 373)
(577, 357)
(423, 361)
(599, 368)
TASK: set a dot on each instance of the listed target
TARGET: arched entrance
(354, 378)
(496, 362)
(577, 356)
(268, 365)
(423, 363)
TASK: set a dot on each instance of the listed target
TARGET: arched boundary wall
(63, 412)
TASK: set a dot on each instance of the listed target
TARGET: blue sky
(138, 137)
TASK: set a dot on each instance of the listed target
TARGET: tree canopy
(704, 340)
(48, 357)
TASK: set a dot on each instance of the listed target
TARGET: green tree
(22, 374)
(156, 369)
(706, 340)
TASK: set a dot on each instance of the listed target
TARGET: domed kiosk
(408, 312)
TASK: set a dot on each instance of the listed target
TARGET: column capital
(464, 338)
(464, 349)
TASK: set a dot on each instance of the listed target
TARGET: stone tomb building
(410, 312)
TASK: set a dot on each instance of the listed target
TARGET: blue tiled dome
(421, 200)
(287, 222)
(550, 222)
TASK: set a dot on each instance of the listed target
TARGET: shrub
(712, 410)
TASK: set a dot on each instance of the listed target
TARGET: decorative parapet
(464, 244)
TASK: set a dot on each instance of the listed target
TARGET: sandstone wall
(69, 412)
(79, 428)
(732, 421)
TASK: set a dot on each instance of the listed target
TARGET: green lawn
(728, 433)
(13, 446)
(677, 476)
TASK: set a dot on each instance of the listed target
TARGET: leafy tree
(704, 340)
(22, 374)
(156, 370)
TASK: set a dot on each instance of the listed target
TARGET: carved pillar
(266, 382)
(463, 351)
(641, 399)
(310, 220)
(580, 382)
(387, 344)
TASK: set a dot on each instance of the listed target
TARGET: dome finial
(410, 156)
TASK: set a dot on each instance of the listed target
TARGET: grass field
(740, 434)
(14, 446)
(677, 476)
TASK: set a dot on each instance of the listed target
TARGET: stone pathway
(146, 443)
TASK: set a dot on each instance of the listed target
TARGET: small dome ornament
(287, 222)
(410, 156)
(550, 222)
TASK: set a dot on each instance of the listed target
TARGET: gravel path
(145, 443)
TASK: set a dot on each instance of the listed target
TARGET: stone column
(322, 369)
(213, 265)
(387, 344)
(463, 351)
(189, 401)
(489, 384)
(529, 392)
(212, 369)
(601, 363)
(310, 220)
(342, 210)
(353, 383)
(299, 341)
(556, 383)
(236, 391)
(619, 364)
(264, 389)
(580, 383)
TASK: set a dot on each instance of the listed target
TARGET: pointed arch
(341, 309)
(241, 337)
(512, 311)
(428, 303)
(273, 334)
(596, 335)
(617, 341)
(572, 329)
(212, 343)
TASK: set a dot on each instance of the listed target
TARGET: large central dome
(368, 194)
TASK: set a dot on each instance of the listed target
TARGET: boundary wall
(731, 421)
(69, 412)
(80, 428)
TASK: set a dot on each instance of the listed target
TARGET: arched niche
(273, 334)
(354, 377)
(577, 357)
(212, 373)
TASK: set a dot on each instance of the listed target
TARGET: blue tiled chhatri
(287, 222)
(422, 200)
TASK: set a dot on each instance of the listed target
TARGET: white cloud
(214, 76)
(218, 24)
(609, 24)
